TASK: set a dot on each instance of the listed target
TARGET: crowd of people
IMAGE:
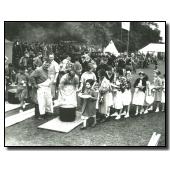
(99, 85)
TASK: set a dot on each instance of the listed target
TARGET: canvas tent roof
(153, 47)
(111, 49)
(7, 41)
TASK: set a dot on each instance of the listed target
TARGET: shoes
(141, 112)
(114, 114)
(150, 109)
(118, 117)
(146, 111)
(157, 109)
(24, 105)
(39, 118)
(123, 114)
(126, 116)
(21, 111)
(83, 128)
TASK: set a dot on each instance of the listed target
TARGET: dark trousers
(37, 113)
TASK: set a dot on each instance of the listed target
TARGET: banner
(126, 26)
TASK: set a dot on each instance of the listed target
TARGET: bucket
(11, 96)
(67, 113)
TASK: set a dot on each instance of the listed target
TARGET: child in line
(22, 87)
(127, 95)
(104, 96)
(89, 104)
(118, 95)
(163, 94)
(157, 89)
(149, 96)
(139, 94)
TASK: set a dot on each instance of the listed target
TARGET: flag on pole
(126, 26)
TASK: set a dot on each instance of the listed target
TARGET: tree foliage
(91, 33)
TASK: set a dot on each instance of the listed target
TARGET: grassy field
(134, 131)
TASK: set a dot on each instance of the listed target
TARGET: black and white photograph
(85, 84)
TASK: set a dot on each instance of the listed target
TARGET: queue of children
(114, 98)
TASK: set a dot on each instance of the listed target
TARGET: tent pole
(121, 33)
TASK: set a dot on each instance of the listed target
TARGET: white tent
(111, 49)
(153, 47)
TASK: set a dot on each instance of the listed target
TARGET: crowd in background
(41, 72)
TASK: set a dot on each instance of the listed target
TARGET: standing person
(22, 87)
(111, 77)
(104, 95)
(30, 90)
(127, 95)
(163, 94)
(25, 60)
(6, 72)
(157, 89)
(87, 75)
(77, 67)
(139, 94)
(53, 72)
(121, 64)
(149, 98)
(40, 81)
(37, 61)
(118, 90)
(67, 98)
(89, 104)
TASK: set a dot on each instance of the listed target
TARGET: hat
(157, 72)
(141, 73)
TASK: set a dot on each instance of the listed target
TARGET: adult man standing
(41, 81)
(37, 60)
(53, 71)
(25, 60)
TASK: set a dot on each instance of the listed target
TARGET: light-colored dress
(139, 95)
(149, 95)
(104, 92)
(118, 96)
(127, 94)
(158, 92)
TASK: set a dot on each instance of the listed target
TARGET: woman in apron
(67, 98)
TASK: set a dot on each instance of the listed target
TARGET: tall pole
(128, 43)
(121, 32)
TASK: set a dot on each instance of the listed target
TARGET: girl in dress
(127, 95)
(22, 87)
(157, 89)
(163, 94)
(118, 97)
(104, 95)
(139, 94)
(89, 104)
(149, 98)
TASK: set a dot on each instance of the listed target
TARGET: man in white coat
(53, 72)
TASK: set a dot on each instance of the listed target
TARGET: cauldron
(11, 96)
(67, 113)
